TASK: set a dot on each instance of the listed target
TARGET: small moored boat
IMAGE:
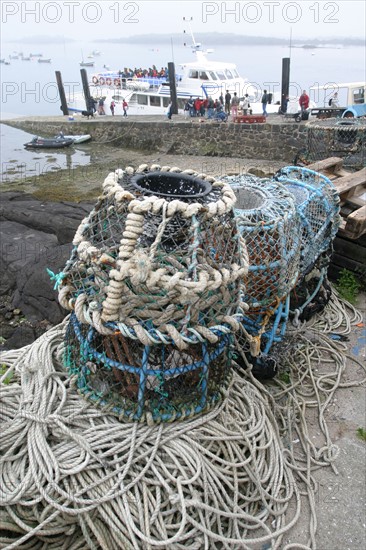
(46, 143)
(41, 60)
(81, 138)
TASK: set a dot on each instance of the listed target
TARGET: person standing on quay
(124, 107)
(227, 102)
(246, 104)
(264, 102)
(169, 111)
(234, 105)
(112, 106)
(304, 101)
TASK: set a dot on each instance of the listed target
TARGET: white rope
(73, 477)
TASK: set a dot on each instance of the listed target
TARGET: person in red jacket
(197, 106)
(304, 101)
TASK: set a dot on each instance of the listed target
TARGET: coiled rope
(73, 477)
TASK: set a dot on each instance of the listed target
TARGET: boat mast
(194, 43)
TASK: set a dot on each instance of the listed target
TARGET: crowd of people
(151, 72)
(219, 108)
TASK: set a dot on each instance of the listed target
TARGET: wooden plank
(350, 249)
(356, 223)
(356, 201)
(348, 183)
(332, 164)
(347, 263)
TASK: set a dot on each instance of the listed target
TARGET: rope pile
(73, 477)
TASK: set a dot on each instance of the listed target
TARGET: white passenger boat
(148, 96)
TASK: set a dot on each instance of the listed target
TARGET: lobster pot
(154, 285)
(268, 222)
(317, 203)
(344, 138)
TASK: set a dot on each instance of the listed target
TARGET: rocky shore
(35, 235)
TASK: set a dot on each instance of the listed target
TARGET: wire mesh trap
(344, 138)
(267, 220)
(154, 283)
(317, 203)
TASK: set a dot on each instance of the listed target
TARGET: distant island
(209, 39)
(230, 39)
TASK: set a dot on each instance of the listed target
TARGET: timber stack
(350, 243)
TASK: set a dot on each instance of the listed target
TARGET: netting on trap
(155, 283)
(344, 138)
(267, 220)
(317, 203)
(266, 217)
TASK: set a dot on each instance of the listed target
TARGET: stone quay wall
(278, 141)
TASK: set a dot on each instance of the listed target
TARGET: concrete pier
(276, 139)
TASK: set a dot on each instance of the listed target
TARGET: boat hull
(41, 143)
(80, 138)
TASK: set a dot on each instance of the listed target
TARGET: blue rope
(57, 277)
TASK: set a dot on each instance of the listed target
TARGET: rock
(35, 294)
(22, 336)
(6, 331)
(20, 246)
(60, 219)
(35, 235)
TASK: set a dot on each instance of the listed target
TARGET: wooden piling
(285, 86)
(61, 91)
(88, 99)
(173, 88)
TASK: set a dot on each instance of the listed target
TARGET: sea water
(29, 87)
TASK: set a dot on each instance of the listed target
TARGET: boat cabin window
(221, 75)
(141, 99)
(154, 101)
(235, 73)
(359, 96)
(203, 75)
(228, 74)
(212, 75)
(166, 101)
(193, 74)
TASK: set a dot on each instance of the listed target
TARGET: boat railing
(115, 79)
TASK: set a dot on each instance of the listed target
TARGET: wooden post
(88, 99)
(285, 83)
(173, 88)
(61, 91)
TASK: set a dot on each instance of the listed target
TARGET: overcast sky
(87, 19)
